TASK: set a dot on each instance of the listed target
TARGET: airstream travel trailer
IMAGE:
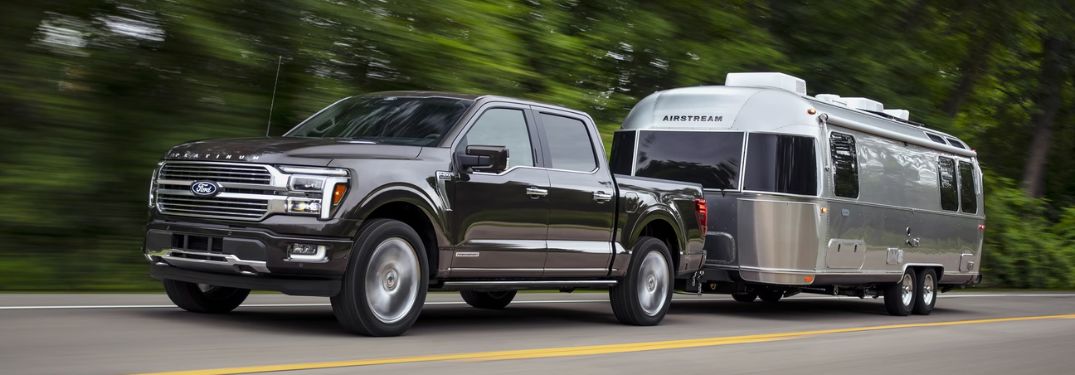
(819, 194)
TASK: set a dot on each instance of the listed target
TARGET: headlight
(324, 190)
(153, 186)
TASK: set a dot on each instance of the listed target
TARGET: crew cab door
(500, 220)
(582, 206)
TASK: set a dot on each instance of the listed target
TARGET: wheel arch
(412, 207)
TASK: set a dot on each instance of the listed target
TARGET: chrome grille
(228, 208)
(247, 191)
(188, 171)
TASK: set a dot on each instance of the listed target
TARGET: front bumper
(247, 251)
(300, 287)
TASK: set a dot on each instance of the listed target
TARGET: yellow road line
(573, 351)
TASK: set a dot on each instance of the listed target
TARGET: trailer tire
(386, 280)
(771, 295)
(747, 297)
(925, 292)
(494, 300)
(206, 299)
(643, 296)
(900, 296)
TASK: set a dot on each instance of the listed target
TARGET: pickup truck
(378, 198)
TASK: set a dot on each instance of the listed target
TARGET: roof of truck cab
(476, 98)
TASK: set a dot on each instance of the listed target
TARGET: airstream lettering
(818, 194)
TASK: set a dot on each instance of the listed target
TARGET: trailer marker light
(808, 279)
(811, 111)
(981, 227)
(824, 210)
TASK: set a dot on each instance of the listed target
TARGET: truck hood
(288, 150)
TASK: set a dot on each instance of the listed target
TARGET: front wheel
(202, 298)
(385, 285)
(488, 300)
(900, 297)
(643, 296)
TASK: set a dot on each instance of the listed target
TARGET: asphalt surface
(980, 333)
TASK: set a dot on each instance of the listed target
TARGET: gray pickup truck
(379, 198)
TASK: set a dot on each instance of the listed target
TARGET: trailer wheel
(645, 293)
(900, 297)
(926, 293)
(747, 297)
(202, 298)
(488, 300)
(771, 295)
(385, 285)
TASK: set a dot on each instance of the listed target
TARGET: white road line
(521, 302)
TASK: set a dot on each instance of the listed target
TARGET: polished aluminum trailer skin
(822, 241)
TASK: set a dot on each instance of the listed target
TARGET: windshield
(395, 120)
(707, 158)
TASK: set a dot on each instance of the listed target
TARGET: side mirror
(492, 159)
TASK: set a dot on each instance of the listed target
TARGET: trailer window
(967, 198)
(947, 177)
(707, 158)
(781, 164)
(845, 165)
(623, 152)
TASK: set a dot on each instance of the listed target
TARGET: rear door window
(707, 158)
(968, 200)
(845, 165)
(947, 177)
(781, 164)
(569, 143)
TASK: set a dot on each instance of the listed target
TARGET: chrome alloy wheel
(653, 283)
(392, 280)
(907, 290)
(928, 289)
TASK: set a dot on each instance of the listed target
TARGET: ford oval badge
(205, 188)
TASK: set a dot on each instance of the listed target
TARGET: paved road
(547, 333)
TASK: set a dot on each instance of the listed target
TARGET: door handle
(535, 192)
(601, 197)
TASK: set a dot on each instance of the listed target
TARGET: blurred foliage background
(94, 91)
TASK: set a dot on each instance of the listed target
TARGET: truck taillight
(702, 212)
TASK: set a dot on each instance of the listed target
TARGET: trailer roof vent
(831, 99)
(776, 80)
(901, 114)
(864, 104)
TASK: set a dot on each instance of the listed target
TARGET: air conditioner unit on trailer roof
(775, 80)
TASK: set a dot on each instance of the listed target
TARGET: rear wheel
(926, 293)
(771, 295)
(202, 298)
(643, 296)
(745, 297)
(385, 285)
(488, 300)
(900, 297)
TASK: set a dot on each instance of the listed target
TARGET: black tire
(745, 297)
(206, 299)
(896, 299)
(488, 300)
(643, 278)
(771, 295)
(925, 292)
(352, 306)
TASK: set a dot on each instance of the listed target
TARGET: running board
(527, 284)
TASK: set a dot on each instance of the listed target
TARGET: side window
(781, 164)
(503, 127)
(967, 198)
(569, 142)
(623, 152)
(947, 180)
(845, 165)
